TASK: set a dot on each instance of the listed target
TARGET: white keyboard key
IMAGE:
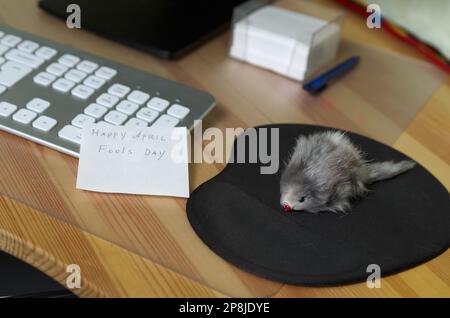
(118, 90)
(147, 114)
(127, 107)
(134, 122)
(10, 40)
(63, 85)
(69, 60)
(44, 79)
(95, 110)
(24, 116)
(82, 91)
(28, 46)
(44, 123)
(166, 121)
(46, 52)
(12, 72)
(28, 59)
(7, 109)
(106, 73)
(87, 66)
(81, 119)
(103, 123)
(116, 118)
(3, 49)
(138, 97)
(70, 133)
(75, 75)
(2, 89)
(158, 104)
(178, 111)
(94, 82)
(38, 105)
(56, 69)
(107, 100)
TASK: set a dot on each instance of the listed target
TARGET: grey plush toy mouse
(325, 171)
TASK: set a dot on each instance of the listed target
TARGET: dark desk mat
(18, 279)
(403, 222)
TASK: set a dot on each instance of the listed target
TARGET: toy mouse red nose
(287, 207)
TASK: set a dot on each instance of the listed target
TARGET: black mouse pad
(402, 222)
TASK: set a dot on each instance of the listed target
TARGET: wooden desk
(109, 270)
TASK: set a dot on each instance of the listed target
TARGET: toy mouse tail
(388, 169)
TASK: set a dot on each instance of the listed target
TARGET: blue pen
(319, 83)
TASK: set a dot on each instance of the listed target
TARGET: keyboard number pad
(69, 70)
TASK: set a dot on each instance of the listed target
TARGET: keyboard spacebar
(12, 72)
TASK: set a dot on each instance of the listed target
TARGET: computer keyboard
(49, 91)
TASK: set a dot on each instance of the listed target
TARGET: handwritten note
(121, 159)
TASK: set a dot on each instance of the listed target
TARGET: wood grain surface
(144, 246)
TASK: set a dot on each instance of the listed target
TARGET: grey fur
(328, 171)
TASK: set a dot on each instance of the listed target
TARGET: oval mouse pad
(402, 222)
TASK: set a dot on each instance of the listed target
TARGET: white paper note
(122, 159)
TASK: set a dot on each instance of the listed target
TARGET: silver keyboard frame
(64, 106)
